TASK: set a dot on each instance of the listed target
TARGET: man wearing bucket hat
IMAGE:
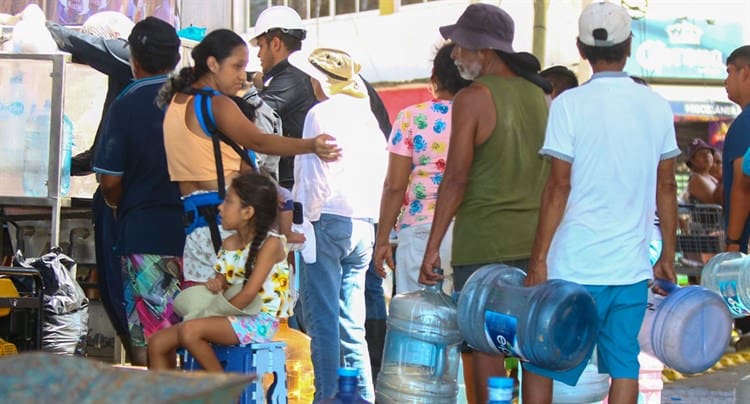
(493, 178)
(341, 202)
(598, 206)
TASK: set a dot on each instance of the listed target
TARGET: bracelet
(114, 207)
(732, 241)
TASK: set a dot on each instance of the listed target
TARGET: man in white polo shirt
(612, 148)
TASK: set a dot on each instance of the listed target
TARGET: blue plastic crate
(260, 359)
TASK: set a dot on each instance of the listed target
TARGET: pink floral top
(422, 132)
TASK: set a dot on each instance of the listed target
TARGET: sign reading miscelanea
(682, 48)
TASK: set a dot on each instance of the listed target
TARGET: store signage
(707, 109)
(683, 48)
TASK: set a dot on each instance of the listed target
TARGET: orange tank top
(190, 155)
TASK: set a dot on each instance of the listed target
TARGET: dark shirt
(132, 146)
(736, 144)
(289, 92)
(108, 56)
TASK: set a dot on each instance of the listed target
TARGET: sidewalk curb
(728, 360)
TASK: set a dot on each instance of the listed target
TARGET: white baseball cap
(603, 25)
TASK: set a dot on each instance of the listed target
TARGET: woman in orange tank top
(219, 69)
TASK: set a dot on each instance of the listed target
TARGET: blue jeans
(374, 293)
(332, 292)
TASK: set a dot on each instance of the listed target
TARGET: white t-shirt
(351, 186)
(614, 132)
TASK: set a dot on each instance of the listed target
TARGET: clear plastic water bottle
(500, 390)
(688, 330)
(728, 274)
(420, 359)
(347, 394)
(36, 151)
(552, 325)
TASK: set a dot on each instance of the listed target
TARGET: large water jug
(688, 330)
(728, 275)
(299, 367)
(420, 359)
(36, 151)
(592, 386)
(348, 383)
(552, 325)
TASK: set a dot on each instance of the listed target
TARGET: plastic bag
(66, 314)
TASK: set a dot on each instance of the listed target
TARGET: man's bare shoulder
(471, 96)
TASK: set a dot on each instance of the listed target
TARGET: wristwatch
(732, 241)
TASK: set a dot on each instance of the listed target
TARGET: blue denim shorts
(621, 310)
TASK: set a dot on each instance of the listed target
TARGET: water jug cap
(500, 382)
(348, 372)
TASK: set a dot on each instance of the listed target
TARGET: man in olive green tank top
(494, 176)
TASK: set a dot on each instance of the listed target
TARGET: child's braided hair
(258, 191)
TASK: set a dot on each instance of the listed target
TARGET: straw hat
(335, 69)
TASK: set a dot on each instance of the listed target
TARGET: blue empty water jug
(728, 275)
(347, 394)
(552, 325)
(688, 330)
(420, 359)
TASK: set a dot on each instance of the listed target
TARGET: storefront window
(300, 6)
(256, 7)
(345, 6)
(365, 5)
(320, 8)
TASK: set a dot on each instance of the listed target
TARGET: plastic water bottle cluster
(25, 128)
(552, 325)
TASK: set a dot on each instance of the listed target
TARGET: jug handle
(665, 285)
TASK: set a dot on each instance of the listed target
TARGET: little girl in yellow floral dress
(255, 256)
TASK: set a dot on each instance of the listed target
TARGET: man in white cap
(598, 205)
(494, 177)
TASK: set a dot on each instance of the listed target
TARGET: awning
(698, 103)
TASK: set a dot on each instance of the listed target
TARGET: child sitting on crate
(253, 263)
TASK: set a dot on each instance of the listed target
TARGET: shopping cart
(700, 236)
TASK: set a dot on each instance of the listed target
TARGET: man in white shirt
(341, 201)
(612, 147)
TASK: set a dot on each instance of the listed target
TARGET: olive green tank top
(497, 219)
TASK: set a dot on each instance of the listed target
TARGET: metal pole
(539, 44)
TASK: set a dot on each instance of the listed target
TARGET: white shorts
(412, 242)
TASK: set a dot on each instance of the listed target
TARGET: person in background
(341, 204)
(493, 175)
(736, 144)
(702, 186)
(134, 181)
(218, 71)
(253, 256)
(418, 149)
(102, 44)
(588, 233)
(561, 79)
